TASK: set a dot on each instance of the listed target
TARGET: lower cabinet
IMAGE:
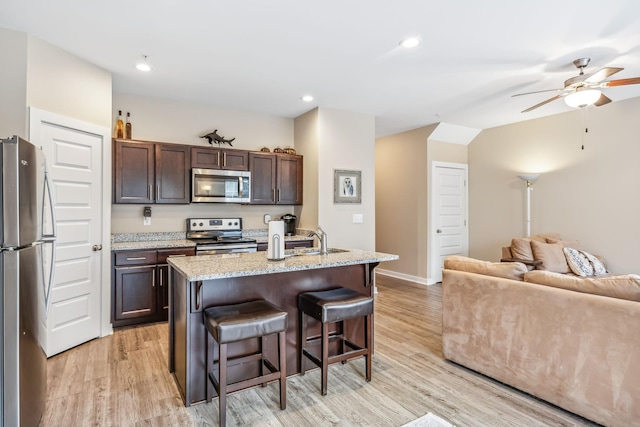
(290, 244)
(140, 287)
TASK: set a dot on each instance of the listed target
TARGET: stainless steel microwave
(220, 186)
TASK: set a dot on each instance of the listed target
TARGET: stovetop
(218, 231)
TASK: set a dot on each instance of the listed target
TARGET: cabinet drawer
(136, 257)
(163, 254)
(292, 244)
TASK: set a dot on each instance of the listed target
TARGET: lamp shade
(582, 98)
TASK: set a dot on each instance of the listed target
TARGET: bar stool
(238, 322)
(336, 305)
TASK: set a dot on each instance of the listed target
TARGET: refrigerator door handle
(49, 239)
(52, 212)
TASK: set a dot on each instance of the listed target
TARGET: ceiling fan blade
(544, 102)
(538, 91)
(621, 82)
(602, 74)
(603, 100)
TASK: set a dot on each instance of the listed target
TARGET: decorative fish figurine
(214, 137)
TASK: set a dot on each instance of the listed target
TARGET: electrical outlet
(267, 218)
(358, 218)
(147, 220)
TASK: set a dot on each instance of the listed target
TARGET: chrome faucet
(322, 238)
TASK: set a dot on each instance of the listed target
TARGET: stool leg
(368, 332)
(263, 341)
(325, 356)
(342, 338)
(302, 339)
(282, 355)
(222, 394)
(208, 362)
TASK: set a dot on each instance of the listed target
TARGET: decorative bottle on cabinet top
(119, 126)
(127, 127)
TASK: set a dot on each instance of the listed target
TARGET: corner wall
(13, 84)
(588, 195)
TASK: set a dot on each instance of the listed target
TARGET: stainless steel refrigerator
(28, 236)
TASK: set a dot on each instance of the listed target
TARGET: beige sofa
(574, 342)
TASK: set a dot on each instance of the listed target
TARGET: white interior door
(75, 165)
(449, 215)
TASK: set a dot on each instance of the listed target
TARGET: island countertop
(207, 267)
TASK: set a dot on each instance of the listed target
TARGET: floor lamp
(529, 179)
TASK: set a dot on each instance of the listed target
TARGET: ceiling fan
(583, 90)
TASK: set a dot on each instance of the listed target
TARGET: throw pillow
(578, 262)
(583, 263)
(566, 243)
(551, 255)
(521, 248)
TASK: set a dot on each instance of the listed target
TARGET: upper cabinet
(275, 178)
(147, 172)
(219, 158)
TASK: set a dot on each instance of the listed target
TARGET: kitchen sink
(314, 251)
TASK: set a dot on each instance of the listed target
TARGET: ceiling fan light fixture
(582, 98)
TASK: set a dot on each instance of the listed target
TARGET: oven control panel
(214, 224)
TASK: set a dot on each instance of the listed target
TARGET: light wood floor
(122, 380)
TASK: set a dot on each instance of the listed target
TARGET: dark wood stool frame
(220, 384)
(325, 336)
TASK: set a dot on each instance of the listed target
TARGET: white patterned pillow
(583, 263)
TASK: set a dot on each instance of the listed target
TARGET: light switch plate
(358, 218)
(147, 220)
(267, 218)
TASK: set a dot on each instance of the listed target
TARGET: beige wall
(306, 141)
(346, 141)
(62, 83)
(403, 216)
(179, 122)
(401, 213)
(585, 194)
(13, 83)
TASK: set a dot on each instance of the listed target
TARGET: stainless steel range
(218, 236)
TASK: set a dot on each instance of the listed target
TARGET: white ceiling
(262, 56)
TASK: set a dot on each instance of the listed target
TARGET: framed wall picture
(347, 186)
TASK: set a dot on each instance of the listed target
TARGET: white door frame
(37, 116)
(431, 232)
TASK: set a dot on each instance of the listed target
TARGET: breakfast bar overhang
(198, 282)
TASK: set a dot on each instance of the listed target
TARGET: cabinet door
(134, 172)
(237, 160)
(263, 178)
(289, 182)
(207, 158)
(172, 174)
(135, 292)
(163, 292)
(292, 244)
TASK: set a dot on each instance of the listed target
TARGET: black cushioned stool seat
(238, 322)
(335, 305)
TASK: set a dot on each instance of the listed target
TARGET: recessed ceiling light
(410, 42)
(144, 64)
(307, 98)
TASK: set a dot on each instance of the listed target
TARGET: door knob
(438, 231)
(97, 248)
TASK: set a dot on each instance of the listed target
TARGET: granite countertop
(207, 267)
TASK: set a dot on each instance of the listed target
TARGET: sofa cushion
(551, 255)
(521, 246)
(505, 270)
(615, 286)
(583, 263)
(565, 243)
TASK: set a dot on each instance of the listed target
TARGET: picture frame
(347, 186)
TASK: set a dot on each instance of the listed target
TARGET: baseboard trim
(407, 277)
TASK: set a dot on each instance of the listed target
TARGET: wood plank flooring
(122, 380)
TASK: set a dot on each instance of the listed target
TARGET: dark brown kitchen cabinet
(140, 285)
(148, 172)
(219, 158)
(276, 179)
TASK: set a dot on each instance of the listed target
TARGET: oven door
(220, 186)
(225, 249)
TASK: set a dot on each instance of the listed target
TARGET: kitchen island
(199, 282)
